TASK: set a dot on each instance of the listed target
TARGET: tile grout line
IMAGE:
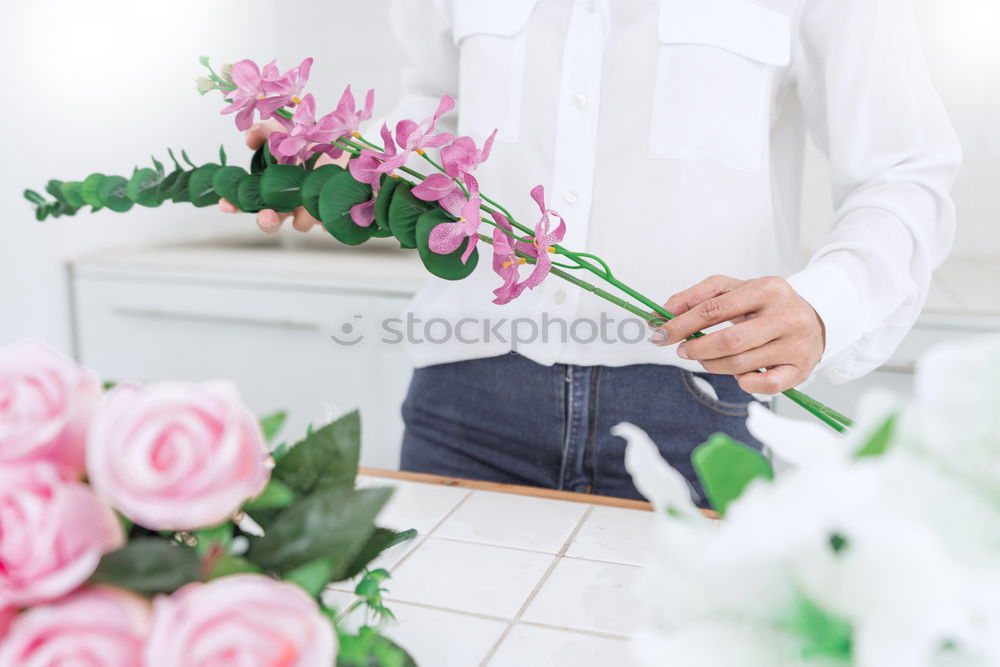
(537, 551)
(537, 588)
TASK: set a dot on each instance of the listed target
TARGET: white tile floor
(495, 579)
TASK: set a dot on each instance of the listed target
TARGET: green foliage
(226, 182)
(201, 188)
(334, 523)
(326, 459)
(339, 194)
(725, 468)
(313, 576)
(450, 266)
(280, 186)
(313, 184)
(380, 540)
(271, 425)
(879, 442)
(248, 194)
(824, 635)
(274, 496)
(369, 648)
(143, 187)
(112, 193)
(149, 565)
(402, 212)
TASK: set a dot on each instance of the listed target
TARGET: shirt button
(559, 297)
(570, 197)
(580, 100)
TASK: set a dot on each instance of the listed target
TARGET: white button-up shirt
(670, 135)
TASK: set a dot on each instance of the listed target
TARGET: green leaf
(725, 468)
(404, 211)
(157, 165)
(326, 458)
(203, 60)
(54, 188)
(381, 539)
(184, 155)
(142, 188)
(226, 182)
(334, 523)
(879, 442)
(228, 563)
(71, 193)
(313, 576)
(313, 184)
(339, 194)
(368, 648)
(248, 194)
(271, 424)
(222, 155)
(382, 201)
(280, 186)
(823, 635)
(180, 192)
(148, 565)
(450, 266)
(274, 496)
(177, 165)
(166, 186)
(201, 188)
(112, 194)
(258, 162)
(88, 191)
(34, 197)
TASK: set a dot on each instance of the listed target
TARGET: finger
(259, 132)
(227, 206)
(749, 334)
(773, 354)
(270, 220)
(712, 311)
(713, 286)
(774, 381)
(302, 221)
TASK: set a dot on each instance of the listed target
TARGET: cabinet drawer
(274, 342)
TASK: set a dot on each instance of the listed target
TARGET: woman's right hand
(268, 219)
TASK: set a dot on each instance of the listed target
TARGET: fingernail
(681, 352)
(658, 337)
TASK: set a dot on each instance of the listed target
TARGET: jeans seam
(568, 417)
(722, 407)
(592, 439)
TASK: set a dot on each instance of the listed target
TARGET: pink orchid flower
(416, 137)
(348, 116)
(305, 137)
(284, 90)
(448, 236)
(368, 168)
(460, 157)
(264, 91)
(506, 263)
(545, 238)
(248, 94)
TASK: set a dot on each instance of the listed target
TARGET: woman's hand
(270, 220)
(773, 328)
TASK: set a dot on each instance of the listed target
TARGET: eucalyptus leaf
(34, 197)
(166, 186)
(148, 565)
(248, 194)
(112, 193)
(222, 155)
(334, 523)
(180, 192)
(450, 266)
(142, 188)
(327, 458)
(313, 183)
(157, 165)
(54, 188)
(404, 210)
(184, 155)
(258, 162)
(339, 194)
(313, 576)
(226, 182)
(382, 201)
(71, 193)
(88, 191)
(280, 186)
(200, 186)
(726, 467)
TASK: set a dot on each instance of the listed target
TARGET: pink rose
(7, 615)
(102, 627)
(53, 532)
(176, 456)
(46, 400)
(242, 619)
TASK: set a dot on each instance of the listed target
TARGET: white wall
(99, 85)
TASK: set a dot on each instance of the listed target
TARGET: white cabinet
(262, 317)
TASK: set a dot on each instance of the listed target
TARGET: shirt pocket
(491, 39)
(712, 94)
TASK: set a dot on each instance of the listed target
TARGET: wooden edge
(508, 488)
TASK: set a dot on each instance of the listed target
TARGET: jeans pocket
(728, 408)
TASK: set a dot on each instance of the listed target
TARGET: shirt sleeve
(871, 109)
(424, 31)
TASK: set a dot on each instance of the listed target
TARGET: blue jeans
(508, 419)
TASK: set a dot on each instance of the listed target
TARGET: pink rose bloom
(242, 619)
(100, 627)
(53, 532)
(7, 615)
(46, 400)
(176, 456)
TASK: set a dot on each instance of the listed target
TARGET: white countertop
(507, 580)
(962, 286)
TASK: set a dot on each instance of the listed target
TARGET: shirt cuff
(832, 294)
